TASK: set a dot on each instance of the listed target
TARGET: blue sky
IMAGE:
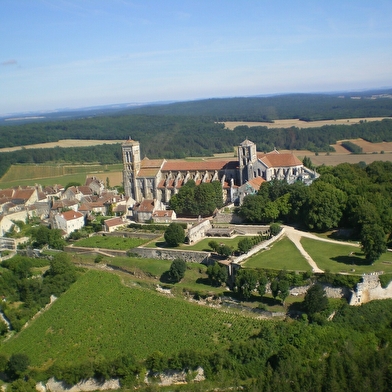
(76, 53)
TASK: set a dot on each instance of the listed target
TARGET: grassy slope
(100, 316)
(283, 254)
(335, 258)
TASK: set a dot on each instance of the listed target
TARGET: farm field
(282, 255)
(108, 242)
(335, 258)
(301, 124)
(64, 144)
(60, 174)
(99, 317)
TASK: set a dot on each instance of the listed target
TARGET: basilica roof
(211, 164)
(279, 160)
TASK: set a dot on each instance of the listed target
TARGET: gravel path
(295, 235)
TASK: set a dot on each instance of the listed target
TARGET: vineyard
(98, 316)
(56, 173)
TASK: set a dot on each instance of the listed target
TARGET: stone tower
(247, 157)
(131, 162)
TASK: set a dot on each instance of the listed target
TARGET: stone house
(69, 221)
(113, 224)
(164, 216)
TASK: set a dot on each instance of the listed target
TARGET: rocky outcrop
(90, 384)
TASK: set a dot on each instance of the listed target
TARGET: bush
(177, 270)
(275, 229)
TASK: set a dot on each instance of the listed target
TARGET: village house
(114, 224)
(69, 221)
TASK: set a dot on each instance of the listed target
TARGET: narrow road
(295, 235)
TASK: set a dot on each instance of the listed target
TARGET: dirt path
(295, 236)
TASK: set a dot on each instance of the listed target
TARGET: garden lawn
(336, 258)
(99, 317)
(282, 255)
(110, 242)
(201, 245)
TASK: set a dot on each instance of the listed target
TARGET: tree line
(351, 196)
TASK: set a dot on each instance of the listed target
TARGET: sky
(57, 54)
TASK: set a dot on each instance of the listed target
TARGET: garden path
(295, 235)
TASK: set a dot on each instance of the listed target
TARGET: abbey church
(159, 179)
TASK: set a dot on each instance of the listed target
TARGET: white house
(69, 221)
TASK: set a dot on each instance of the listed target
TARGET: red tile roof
(275, 159)
(114, 222)
(70, 215)
(256, 183)
(211, 164)
(146, 205)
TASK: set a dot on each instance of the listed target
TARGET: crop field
(342, 258)
(59, 174)
(64, 144)
(282, 255)
(100, 317)
(109, 242)
(301, 124)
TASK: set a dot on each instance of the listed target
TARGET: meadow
(98, 317)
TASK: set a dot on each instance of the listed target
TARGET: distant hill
(309, 107)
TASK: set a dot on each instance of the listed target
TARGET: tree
(324, 206)
(246, 281)
(315, 300)
(17, 365)
(373, 242)
(214, 245)
(217, 274)
(245, 245)
(177, 270)
(174, 234)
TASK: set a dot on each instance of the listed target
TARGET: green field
(282, 255)
(109, 242)
(335, 258)
(47, 174)
(100, 317)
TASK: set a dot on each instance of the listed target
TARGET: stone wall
(171, 254)
(370, 289)
(227, 218)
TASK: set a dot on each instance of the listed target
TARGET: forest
(169, 137)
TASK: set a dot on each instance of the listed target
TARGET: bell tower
(247, 157)
(131, 167)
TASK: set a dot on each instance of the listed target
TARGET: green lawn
(335, 258)
(201, 245)
(282, 254)
(109, 242)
